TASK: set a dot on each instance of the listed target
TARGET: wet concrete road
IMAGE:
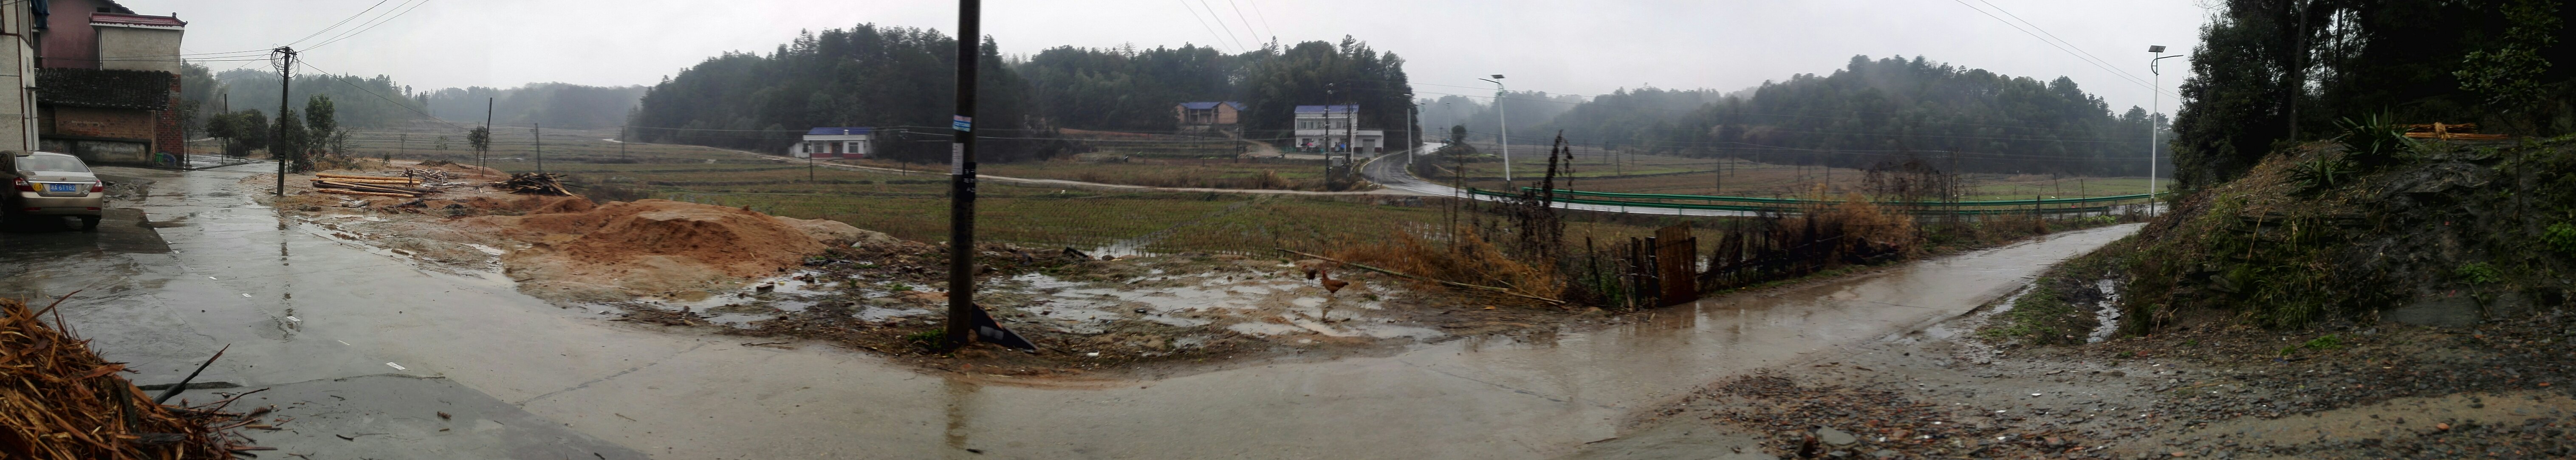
(544, 382)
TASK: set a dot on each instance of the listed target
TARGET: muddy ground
(2497, 389)
(859, 289)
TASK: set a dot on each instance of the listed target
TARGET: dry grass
(59, 400)
(1470, 260)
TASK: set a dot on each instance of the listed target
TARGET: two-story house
(1335, 128)
(107, 82)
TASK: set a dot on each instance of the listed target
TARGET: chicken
(1332, 286)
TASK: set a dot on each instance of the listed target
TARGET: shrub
(2373, 141)
(2560, 236)
(2478, 273)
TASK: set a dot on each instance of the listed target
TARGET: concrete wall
(141, 48)
(17, 82)
(108, 123)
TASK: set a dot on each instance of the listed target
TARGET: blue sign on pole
(963, 123)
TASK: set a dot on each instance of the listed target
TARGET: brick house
(836, 142)
(1209, 115)
(107, 83)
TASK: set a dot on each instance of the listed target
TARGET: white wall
(140, 48)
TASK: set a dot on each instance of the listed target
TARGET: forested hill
(555, 105)
(1130, 89)
(2264, 74)
(900, 77)
(1873, 111)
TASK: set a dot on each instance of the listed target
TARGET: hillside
(2442, 233)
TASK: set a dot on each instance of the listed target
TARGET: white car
(51, 184)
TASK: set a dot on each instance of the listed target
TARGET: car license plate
(59, 188)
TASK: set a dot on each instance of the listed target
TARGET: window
(814, 147)
(853, 147)
(50, 163)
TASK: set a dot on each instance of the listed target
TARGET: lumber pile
(534, 184)
(59, 400)
(2462, 132)
(348, 184)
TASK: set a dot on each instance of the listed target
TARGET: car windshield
(51, 163)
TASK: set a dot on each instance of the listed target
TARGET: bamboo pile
(2459, 132)
(59, 400)
(347, 184)
(534, 184)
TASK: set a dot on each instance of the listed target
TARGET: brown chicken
(1332, 286)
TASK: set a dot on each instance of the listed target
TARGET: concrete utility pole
(401, 145)
(480, 153)
(285, 57)
(961, 183)
(537, 136)
(622, 141)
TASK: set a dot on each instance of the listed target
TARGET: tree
(481, 139)
(2417, 61)
(897, 78)
(241, 131)
(321, 119)
(292, 142)
(1321, 73)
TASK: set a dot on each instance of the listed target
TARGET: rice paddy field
(915, 205)
(1615, 171)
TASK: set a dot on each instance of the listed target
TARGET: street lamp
(1503, 128)
(2155, 104)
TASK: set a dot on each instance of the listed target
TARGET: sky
(1554, 46)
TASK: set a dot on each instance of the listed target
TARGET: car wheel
(89, 224)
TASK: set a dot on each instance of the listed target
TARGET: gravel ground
(2494, 390)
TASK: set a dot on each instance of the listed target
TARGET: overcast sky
(1555, 46)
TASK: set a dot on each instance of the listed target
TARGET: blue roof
(1328, 108)
(836, 131)
(1210, 105)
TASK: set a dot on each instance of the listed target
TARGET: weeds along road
(365, 351)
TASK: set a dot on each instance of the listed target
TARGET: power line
(378, 23)
(1194, 14)
(336, 25)
(1265, 19)
(2078, 56)
(1220, 22)
(1247, 23)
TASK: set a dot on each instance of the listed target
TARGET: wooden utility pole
(481, 153)
(621, 141)
(961, 179)
(277, 147)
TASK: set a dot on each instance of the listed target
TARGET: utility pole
(402, 145)
(621, 141)
(285, 57)
(961, 182)
(537, 135)
(479, 154)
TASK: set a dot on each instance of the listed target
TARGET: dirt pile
(622, 249)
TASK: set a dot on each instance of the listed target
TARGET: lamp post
(2155, 104)
(1502, 128)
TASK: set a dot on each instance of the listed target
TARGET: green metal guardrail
(1791, 204)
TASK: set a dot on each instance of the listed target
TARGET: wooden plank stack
(348, 184)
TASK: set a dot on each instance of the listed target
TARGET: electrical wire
(377, 23)
(1194, 14)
